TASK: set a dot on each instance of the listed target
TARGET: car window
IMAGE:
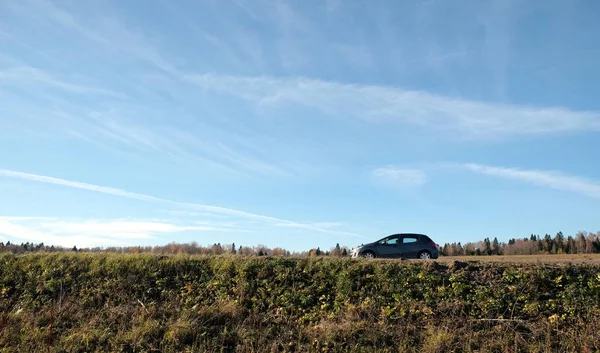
(390, 241)
(409, 239)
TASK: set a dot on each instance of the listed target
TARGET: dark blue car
(399, 246)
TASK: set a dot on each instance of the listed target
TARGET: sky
(297, 123)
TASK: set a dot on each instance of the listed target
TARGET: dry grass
(142, 303)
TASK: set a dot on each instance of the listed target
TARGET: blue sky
(297, 123)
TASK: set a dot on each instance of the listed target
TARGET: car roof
(419, 235)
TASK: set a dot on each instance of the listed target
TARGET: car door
(389, 247)
(409, 245)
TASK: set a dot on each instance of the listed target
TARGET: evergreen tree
(570, 245)
(337, 251)
(548, 243)
(596, 245)
(488, 247)
(559, 243)
(496, 247)
(540, 244)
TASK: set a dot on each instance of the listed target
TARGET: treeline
(581, 243)
(179, 248)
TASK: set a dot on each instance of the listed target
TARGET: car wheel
(368, 255)
(425, 255)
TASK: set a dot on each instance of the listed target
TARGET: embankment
(143, 303)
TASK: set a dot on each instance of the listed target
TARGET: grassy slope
(140, 303)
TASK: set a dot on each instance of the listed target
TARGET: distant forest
(178, 248)
(581, 243)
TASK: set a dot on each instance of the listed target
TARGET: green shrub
(78, 302)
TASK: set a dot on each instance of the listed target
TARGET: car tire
(424, 255)
(368, 254)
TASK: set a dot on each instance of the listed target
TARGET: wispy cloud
(291, 25)
(25, 233)
(127, 127)
(551, 179)
(250, 163)
(209, 150)
(108, 33)
(399, 177)
(242, 4)
(185, 213)
(119, 228)
(88, 233)
(386, 104)
(25, 74)
(193, 206)
(77, 185)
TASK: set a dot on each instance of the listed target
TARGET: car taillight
(433, 244)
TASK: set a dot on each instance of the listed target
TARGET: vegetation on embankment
(78, 302)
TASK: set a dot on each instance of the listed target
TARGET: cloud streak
(27, 74)
(77, 185)
(194, 206)
(550, 179)
(108, 33)
(211, 151)
(387, 104)
(89, 233)
(19, 231)
(405, 178)
(128, 126)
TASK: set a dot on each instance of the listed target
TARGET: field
(77, 302)
(548, 259)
